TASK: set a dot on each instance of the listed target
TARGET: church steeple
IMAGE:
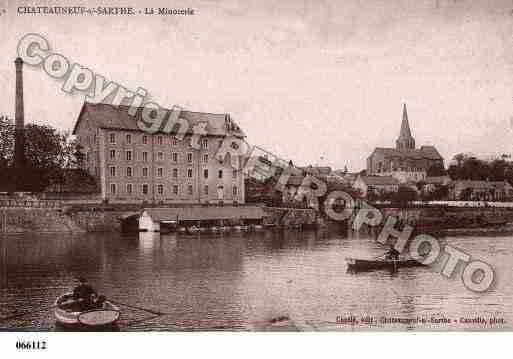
(405, 139)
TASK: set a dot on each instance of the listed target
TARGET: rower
(84, 294)
(392, 254)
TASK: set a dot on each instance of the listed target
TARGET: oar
(14, 316)
(136, 307)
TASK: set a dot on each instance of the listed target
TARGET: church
(404, 162)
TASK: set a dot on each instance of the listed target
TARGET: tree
(469, 168)
(440, 193)
(404, 195)
(436, 170)
(465, 194)
(6, 141)
(48, 153)
(498, 169)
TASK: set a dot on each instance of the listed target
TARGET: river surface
(243, 281)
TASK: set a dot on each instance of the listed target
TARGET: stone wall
(291, 217)
(26, 220)
(450, 217)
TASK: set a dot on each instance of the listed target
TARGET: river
(242, 281)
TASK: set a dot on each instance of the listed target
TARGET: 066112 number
(31, 345)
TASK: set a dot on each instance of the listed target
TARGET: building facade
(134, 166)
(405, 162)
(467, 190)
(376, 184)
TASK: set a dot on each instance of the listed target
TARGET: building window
(112, 138)
(129, 171)
(159, 171)
(189, 172)
(160, 156)
(145, 156)
(205, 189)
(145, 188)
(189, 157)
(234, 174)
(175, 173)
(175, 189)
(159, 140)
(220, 174)
(174, 141)
(189, 189)
(129, 155)
(129, 188)
(160, 189)
(113, 188)
(205, 173)
(204, 143)
(112, 154)
(174, 156)
(145, 171)
(205, 158)
(128, 139)
(112, 171)
(235, 190)
(145, 140)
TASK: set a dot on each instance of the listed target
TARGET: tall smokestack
(19, 144)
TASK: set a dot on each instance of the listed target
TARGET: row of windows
(159, 140)
(129, 189)
(129, 172)
(159, 155)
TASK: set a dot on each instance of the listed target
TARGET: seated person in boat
(392, 254)
(85, 295)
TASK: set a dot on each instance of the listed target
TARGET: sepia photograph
(255, 167)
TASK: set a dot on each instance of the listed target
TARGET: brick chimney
(19, 144)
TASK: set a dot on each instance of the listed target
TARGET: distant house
(317, 171)
(344, 177)
(432, 183)
(263, 192)
(376, 184)
(480, 190)
(289, 194)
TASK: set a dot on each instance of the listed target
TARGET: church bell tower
(405, 141)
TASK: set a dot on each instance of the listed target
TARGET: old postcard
(256, 166)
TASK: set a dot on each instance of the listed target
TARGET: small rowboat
(68, 315)
(370, 264)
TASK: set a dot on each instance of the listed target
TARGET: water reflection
(239, 281)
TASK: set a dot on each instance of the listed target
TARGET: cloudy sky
(319, 82)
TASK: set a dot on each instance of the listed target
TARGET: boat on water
(70, 315)
(371, 264)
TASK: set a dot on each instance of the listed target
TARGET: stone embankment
(77, 219)
(452, 218)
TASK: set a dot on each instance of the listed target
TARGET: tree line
(469, 167)
(51, 158)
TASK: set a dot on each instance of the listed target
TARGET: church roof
(424, 152)
(117, 117)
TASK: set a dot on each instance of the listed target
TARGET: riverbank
(87, 218)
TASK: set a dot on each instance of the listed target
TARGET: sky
(318, 82)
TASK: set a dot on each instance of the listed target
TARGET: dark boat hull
(366, 264)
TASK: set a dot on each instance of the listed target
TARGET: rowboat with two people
(84, 309)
